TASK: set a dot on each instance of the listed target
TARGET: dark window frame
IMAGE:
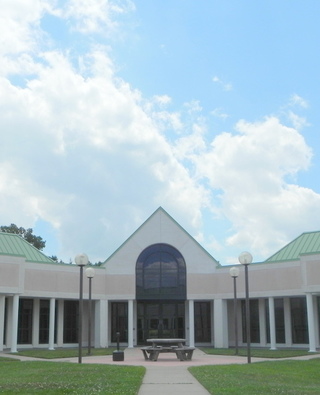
(202, 321)
(71, 321)
(161, 274)
(119, 321)
(299, 320)
(254, 321)
(25, 321)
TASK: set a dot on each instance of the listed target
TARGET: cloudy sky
(112, 108)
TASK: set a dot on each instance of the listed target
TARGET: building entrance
(160, 320)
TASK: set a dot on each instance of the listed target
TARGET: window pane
(254, 321)
(44, 321)
(279, 317)
(202, 322)
(71, 319)
(25, 321)
(119, 321)
(299, 320)
(160, 273)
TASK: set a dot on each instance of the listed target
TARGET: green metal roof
(14, 245)
(307, 243)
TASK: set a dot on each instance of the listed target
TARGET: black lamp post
(234, 273)
(90, 274)
(245, 258)
(81, 260)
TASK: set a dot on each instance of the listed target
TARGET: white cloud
(296, 100)
(193, 107)
(219, 113)
(84, 155)
(162, 99)
(226, 86)
(20, 194)
(298, 122)
(251, 169)
(92, 16)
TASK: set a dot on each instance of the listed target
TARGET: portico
(160, 283)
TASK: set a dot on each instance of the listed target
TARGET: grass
(63, 352)
(257, 352)
(44, 377)
(6, 359)
(288, 377)
(273, 377)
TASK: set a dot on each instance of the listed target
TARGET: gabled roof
(307, 243)
(161, 210)
(14, 245)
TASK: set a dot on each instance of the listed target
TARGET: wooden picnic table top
(166, 341)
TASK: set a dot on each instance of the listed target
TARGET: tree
(26, 234)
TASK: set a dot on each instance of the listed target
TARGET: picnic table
(158, 346)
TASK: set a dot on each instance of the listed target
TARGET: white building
(160, 283)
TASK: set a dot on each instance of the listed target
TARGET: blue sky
(210, 109)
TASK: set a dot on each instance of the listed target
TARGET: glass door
(160, 320)
(119, 321)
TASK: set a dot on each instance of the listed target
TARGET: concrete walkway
(160, 380)
(168, 375)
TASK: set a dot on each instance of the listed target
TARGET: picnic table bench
(176, 346)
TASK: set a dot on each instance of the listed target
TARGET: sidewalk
(160, 380)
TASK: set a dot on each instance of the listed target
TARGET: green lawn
(289, 377)
(257, 352)
(273, 377)
(63, 352)
(42, 377)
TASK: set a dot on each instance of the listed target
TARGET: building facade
(159, 283)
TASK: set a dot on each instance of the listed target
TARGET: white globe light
(81, 259)
(89, 272)
(245, 258)
(234, 272)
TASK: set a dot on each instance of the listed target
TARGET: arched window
(160, 273)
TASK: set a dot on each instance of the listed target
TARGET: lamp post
(234, 273)
(81, 260)
(90, 274)
(245, 258)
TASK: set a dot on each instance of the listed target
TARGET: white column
(220, 324)
(311, 323)
(272, 324)
(101, 328)
(191, 323)
(35, 322)
(14, 325)
(130, 323)
(52, 323)
(2, 322)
